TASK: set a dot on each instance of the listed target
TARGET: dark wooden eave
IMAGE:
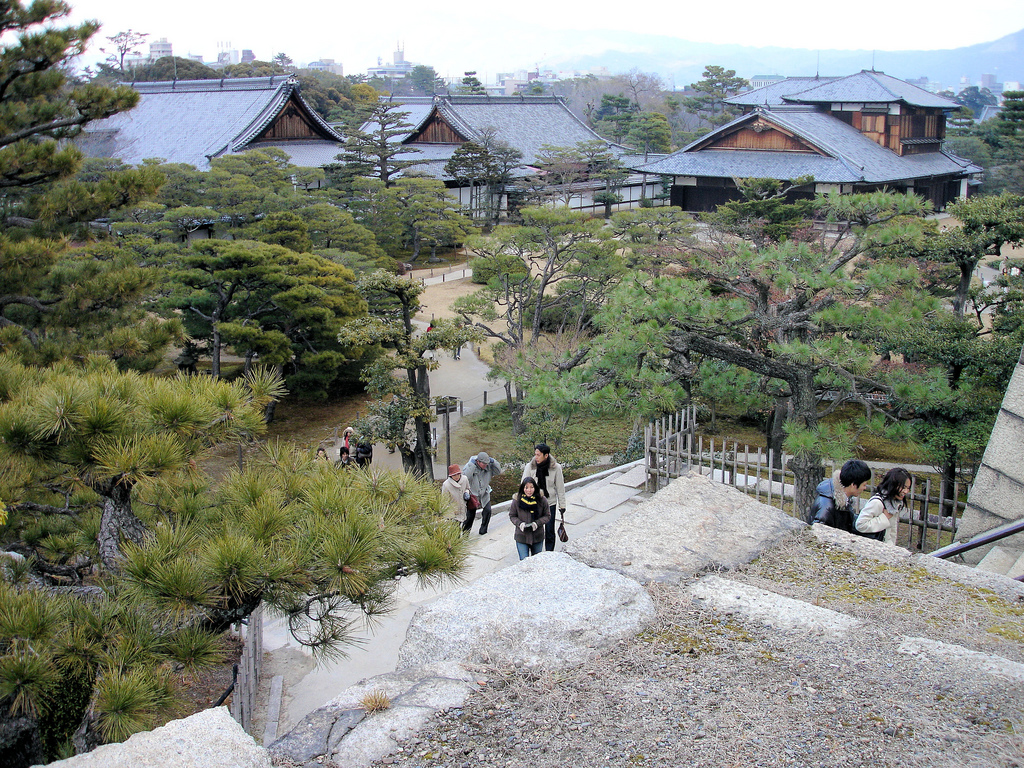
(758, 124)
(436, 129)
(295, 122)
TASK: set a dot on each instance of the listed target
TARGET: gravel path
(703, 688)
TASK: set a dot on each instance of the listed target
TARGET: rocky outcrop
(692, 525)
(544, 611)
(344, 732)
(209, 738)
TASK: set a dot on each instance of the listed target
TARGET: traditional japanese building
(440, 125)
(193, 121)
(859, 133)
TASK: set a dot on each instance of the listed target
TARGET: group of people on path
(542, 485)
(351, 453)
(837, 500)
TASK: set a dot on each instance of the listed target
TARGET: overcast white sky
(489, 38)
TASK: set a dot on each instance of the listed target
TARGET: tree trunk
(807, 468)
(117, 522)
(416, 243)
(408, 458)
(807, 472)
(423, 462)
(215, 347)
(515, 409)
(774, 431)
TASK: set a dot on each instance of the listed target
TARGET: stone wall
(997, 496)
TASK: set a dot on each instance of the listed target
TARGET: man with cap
(457, 488)
(479, 471)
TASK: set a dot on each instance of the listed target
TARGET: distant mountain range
(681, 62)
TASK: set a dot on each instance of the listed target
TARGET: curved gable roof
(526, 123)
(865, 86)
(871, 87)
(195, 120)
(847, 155)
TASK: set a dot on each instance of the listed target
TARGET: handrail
(988, 537)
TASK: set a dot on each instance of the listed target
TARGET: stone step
(1017, 569)
(998, 560)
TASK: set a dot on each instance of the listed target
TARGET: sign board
(447, 405)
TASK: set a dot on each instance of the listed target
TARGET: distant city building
(226, 56)
(927, 85)
(326, 65)
(988, 81)
(159, 49)
(248, 55)
(760, 81)
(399, 68)
(521, 81)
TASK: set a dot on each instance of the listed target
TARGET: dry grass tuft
(375, 701)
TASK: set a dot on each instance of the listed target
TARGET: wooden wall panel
(437, 131)
(766, 140)
(290, 124)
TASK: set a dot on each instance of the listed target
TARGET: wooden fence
(243, 698)
(672, 449)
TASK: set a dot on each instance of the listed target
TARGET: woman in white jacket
(881, 513)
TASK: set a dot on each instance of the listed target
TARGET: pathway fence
(673, 448)
(247, 678)
(426, 277)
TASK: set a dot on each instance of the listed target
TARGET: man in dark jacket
(551, 484)
(835, 505)
(364, 453)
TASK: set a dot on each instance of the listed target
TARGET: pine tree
(374, 151)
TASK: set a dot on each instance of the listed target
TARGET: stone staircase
(770, 642)
(1003, 560)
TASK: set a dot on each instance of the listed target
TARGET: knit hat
(482, 456)
(454, 469)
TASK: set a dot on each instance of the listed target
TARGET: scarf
(542, 475)
(529, 504)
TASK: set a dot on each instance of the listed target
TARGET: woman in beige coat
(456, 487)
(879, 517)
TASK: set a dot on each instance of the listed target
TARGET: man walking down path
(479, 472)
(551, 484)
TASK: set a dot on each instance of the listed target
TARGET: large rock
(208, 738)
(343, 733)
(545, 611)
(690, 525)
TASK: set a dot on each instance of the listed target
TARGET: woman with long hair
(529, 513)
(880, 515)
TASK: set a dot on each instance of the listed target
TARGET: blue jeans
(525, 550)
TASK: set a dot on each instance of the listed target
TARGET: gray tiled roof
(192, 121)
(774, 94)
(525, 123)
(307, 154)
(848, 155)
(864, 86)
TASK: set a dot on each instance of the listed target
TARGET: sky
(489, 38)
